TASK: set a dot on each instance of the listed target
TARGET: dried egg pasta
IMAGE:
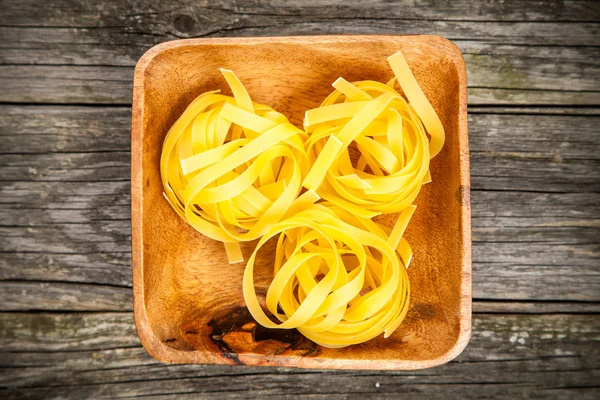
(231, 168)
(368, 146)
(338, 277)
(234, 170)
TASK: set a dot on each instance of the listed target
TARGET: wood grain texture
(129, 13)
(515, 53)
(543, 246)
(550, 356)
(19, 295)
(562, 226)
(498, 74)
(49, 129)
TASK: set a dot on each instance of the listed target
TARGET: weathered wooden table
(66, 324)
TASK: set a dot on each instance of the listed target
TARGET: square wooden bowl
(188, 300)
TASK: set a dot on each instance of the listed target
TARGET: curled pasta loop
(338, 278)
(232, 168)
(368, 145)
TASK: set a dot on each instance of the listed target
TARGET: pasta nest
(338, 278)
(231, 167)
(368, 146)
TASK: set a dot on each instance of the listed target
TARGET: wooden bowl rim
(164, 353)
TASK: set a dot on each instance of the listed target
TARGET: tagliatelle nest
(337, 277)
(389, 134)
(231, 168)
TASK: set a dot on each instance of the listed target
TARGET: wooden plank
(66, 84)
(90, 202)
(491, 170)
(65, 167)
(536, 152)
(503, 67)
(541, 153)
(526, 355)
(116, 13)
(124, 46)
(498, 74)
(110, 268)
(100, 236)
(501, 271)
(536, 110)
(48, 296)
(45, 129)
(562, 235)
(48, 129)
(77, 226)
(541, 218)
(520, 171)
(64, 202)
(529, 307)
(64, 228)
(526, 97)
(569, 137)
(535, 271)
(274, 387)
(53, 332)
(499, 66)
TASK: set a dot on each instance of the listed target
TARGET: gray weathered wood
(110, 268)
(502, 271)
(66, 84)
(533, 270)
(65, 167)
(544, 153)
(563, 226)
(531, 355)
(536, 110)
(75, 221)
(65, 202)
(524, 97)
(23, 296)
(134, 14)
(50, 129)
(503, 66)
(493, 170)
(46, 129)
(528, 307)
(103, 236)
(497, 74)
(92, 45)
(46, 332)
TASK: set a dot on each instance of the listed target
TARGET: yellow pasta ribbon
(338, 278)
(368, 145)
(232, 168)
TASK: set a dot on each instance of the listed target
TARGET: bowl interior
(193, 297)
